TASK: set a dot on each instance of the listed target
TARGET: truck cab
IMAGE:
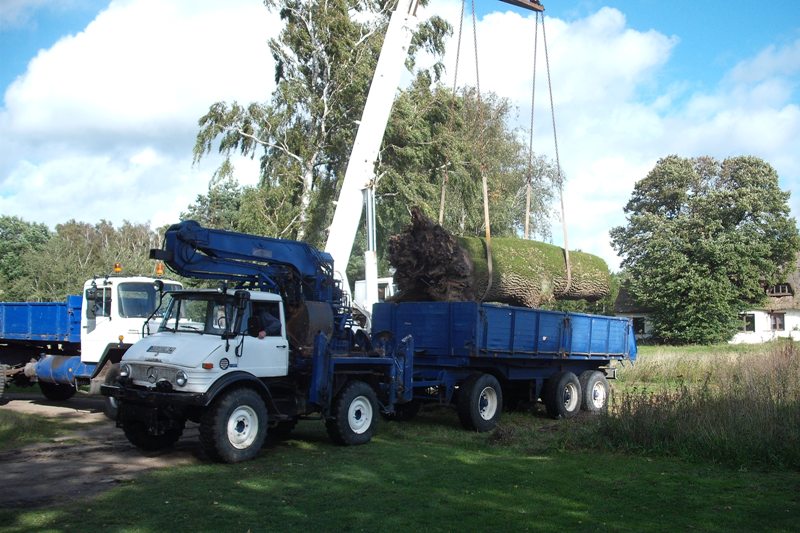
(205, 334)
(114, 310)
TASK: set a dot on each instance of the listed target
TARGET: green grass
(18, 430)
(431, 475)
(738, 405)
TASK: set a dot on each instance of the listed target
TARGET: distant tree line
(37, 264)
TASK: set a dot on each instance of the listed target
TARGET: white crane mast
(358, 186)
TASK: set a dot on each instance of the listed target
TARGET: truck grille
(152, 374)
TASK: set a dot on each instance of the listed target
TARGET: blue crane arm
(292, 268)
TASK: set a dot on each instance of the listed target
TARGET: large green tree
(324, 59)
(437, 139)
(703, 240)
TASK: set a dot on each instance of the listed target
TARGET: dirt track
(82, 464)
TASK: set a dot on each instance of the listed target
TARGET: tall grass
(733, 405)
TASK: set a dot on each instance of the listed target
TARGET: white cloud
(102, 124)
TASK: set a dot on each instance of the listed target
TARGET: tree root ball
(433, 265)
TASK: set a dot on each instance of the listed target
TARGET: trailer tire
(234, 426)
(403, 412)
(57, 392)
(110, 405)
(354, 415)
(562, 395)
(136, 433)
(595, 390)
(480, 402)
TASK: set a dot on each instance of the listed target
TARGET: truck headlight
(181, 378)
(125, 371)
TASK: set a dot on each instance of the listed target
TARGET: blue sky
(101, 99)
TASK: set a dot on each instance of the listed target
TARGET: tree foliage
(436, 139)
(75, 252)
(17, 238)
(702, 242)
(324, 60)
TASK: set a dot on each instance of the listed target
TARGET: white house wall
(763, 328)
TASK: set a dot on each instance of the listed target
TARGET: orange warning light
(159, 269)
(117, 268)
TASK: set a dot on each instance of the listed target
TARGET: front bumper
(154, 398)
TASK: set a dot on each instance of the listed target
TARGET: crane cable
(446, 177)
(560, 176)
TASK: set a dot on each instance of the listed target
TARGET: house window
(748, 322)
(777, 320)
(638, 325)
(783, 289)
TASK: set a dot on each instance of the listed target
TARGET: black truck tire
(110, 407)
(233, 428)
(562, 395)
(354, 415)
(57, 392)
(480, 402)
(403, 412)
(136, 433)
(594, 391)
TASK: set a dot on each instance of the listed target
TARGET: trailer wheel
(480, 402)
(403, 412)
(136, 433)
(562, 395)
(57, 392)
(234, 426)
(594, 387)
(110, 406)
(353, 421)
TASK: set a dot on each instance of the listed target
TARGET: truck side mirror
(242, 297)
(159, 286)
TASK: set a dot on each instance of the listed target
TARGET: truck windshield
(139, 299)
(197, 313)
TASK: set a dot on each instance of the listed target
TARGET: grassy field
(531, 473)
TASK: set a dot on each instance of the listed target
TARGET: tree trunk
(432, 264)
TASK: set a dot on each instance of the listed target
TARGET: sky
(100, 99)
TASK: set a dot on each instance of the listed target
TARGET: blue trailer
(470, 353)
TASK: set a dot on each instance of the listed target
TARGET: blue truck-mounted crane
(213, 362)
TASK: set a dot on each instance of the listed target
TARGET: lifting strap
(560, 176)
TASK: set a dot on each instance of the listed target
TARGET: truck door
(268, 349)
(96, 323)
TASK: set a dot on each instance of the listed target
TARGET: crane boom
(360, 173)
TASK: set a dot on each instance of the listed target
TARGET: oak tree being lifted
(702, 242)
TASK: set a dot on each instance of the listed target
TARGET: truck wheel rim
(487, 403)
(570, 398)
(598, 395)
(242, 427)
(359, 415)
